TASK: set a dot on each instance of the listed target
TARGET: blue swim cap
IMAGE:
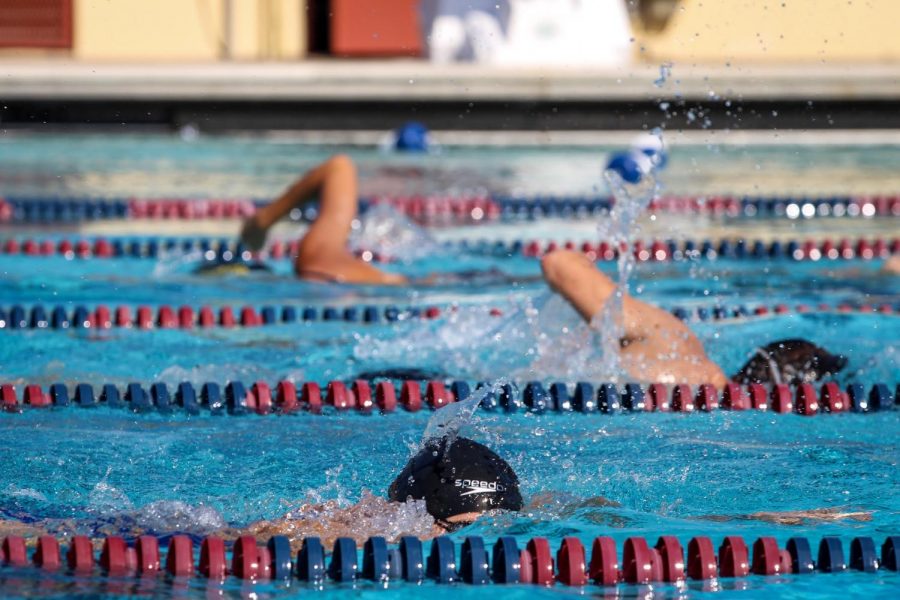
(411, 137)
(631, 166)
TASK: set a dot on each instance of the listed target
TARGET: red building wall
(35, 23)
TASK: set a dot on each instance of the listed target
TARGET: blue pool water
(101, 471)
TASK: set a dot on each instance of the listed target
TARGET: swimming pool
(101, 471)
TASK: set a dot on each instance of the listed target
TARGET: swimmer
(448, 484)
(222, 268)
(658, 347)
(322, 254)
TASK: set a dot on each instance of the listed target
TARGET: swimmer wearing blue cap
(323, 253)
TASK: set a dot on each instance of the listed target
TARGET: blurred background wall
(713, 31)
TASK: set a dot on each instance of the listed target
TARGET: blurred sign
(375, 28)
(35, 23)
(528, 32)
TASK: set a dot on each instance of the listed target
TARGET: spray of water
(621, 229)
(392, 235)
(450, 420)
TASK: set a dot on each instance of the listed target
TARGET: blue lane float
(381, 396)
(507, 562)
(217, 252)
(160, 318)
(42, 209)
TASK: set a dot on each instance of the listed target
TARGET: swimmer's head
(458, 480)
(411, 137)
(221, 268)
(790, 361)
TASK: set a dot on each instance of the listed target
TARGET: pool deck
(412, 79)
(476, 96)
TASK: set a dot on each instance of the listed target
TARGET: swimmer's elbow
(393, 279)
(341, 162)
(554, 266)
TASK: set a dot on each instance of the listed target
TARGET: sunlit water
(97, 471)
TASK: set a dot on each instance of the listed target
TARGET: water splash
(450, 420)
(172, 263)
(371, 515)
(665, 72)
(391, 235)
(621, 229)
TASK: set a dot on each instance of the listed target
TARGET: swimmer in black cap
(447, 485)
(459, 480)
(792, 361)
(659, 347)
(323, 253)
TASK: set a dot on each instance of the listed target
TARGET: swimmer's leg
(657, 346)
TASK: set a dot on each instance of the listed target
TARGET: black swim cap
(792, 361)
(457, 477)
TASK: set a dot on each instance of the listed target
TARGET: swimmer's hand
(891, 266)
(9, 527)
(253, 234)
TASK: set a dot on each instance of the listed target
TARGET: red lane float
(180, 558)
(734, 558)
(541, 561)
(114, 556)
(213, 564)
(80, 556)
(604, 566)
(571, 563)
(46, 555)
(286, 397)
(672, 556)
(637, 561)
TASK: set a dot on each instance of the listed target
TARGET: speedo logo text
(473, 486)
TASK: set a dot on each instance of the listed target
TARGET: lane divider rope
(149, 318)
(383, 396)
(637, 563)
(224, 250)
(442, 209)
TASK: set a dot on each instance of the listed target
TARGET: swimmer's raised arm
(322, 254)
(656, 347)
(334, 180)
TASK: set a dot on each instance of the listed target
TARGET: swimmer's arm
(545, 499)
(657, 345)
(797, 517)
(10, 527)
(329, 521)
(338, 172)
